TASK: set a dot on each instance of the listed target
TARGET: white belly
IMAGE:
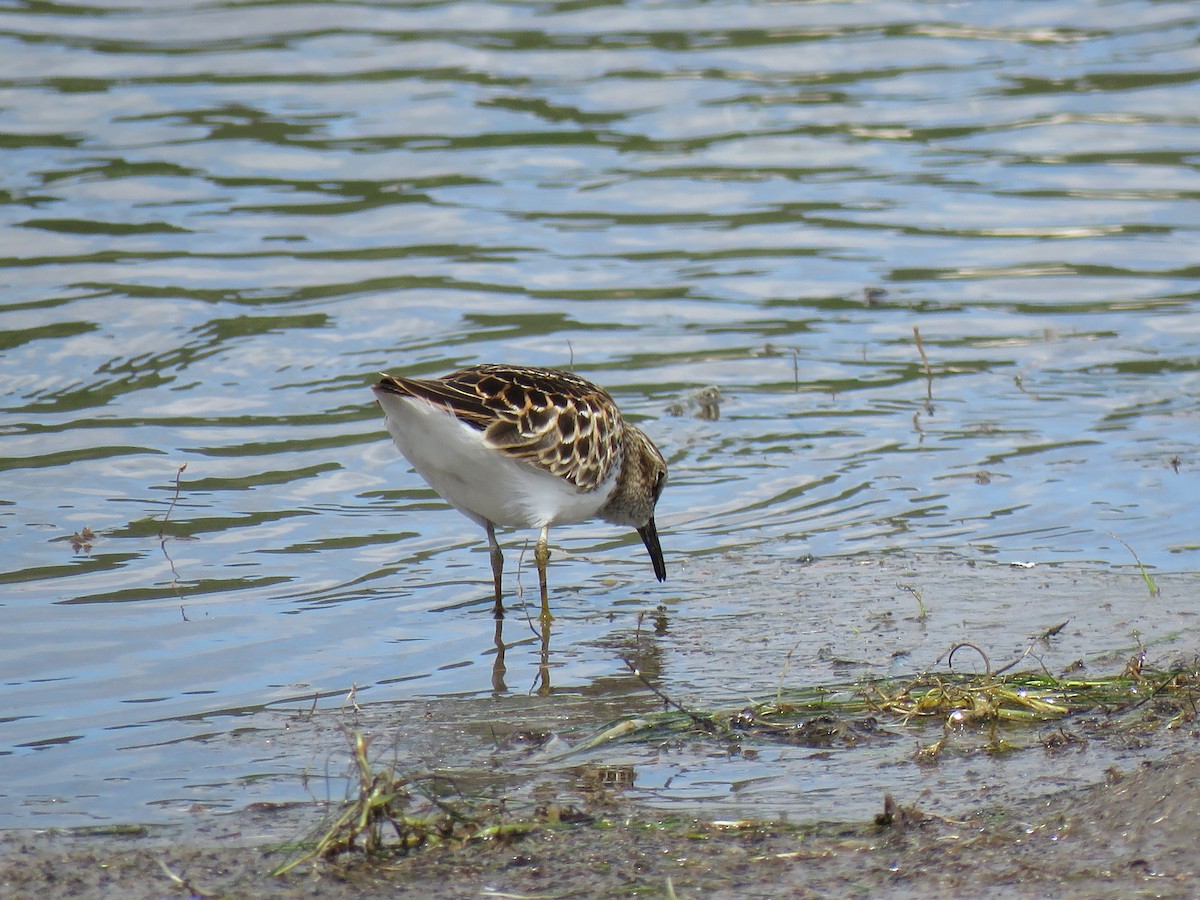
(479, 481)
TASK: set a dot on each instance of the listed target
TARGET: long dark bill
(650, 538)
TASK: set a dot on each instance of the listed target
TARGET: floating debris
(705, 402)
(81, 541)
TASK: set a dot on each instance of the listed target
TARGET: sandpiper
(525, 447)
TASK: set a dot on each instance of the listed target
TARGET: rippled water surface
(218, 220)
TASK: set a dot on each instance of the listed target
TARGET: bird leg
(541, 555)
(497, 566)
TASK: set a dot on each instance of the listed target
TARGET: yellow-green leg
(541, 555)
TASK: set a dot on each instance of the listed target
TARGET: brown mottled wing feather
(457, 397)
(554, 420)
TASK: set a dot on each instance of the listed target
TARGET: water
(218, 221)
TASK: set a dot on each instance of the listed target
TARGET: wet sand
(1135, 834)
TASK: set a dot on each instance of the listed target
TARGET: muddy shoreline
(1135, 833)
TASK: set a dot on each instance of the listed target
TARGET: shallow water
(216, 222)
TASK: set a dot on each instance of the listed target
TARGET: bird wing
(556, 421)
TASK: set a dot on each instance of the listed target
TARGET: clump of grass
(378, 808)
(389, 814)
(996, 704)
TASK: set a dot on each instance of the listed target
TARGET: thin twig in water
(922, 613)
(521, 590)
(696, 718)
(184, 882)
(162, 543)
(174, 500)
(351, 698)
(987, 665)
(533, 629)
(520, 566)
(1002, 670)
(928, 371)
(787, 664)
(1019, 380)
